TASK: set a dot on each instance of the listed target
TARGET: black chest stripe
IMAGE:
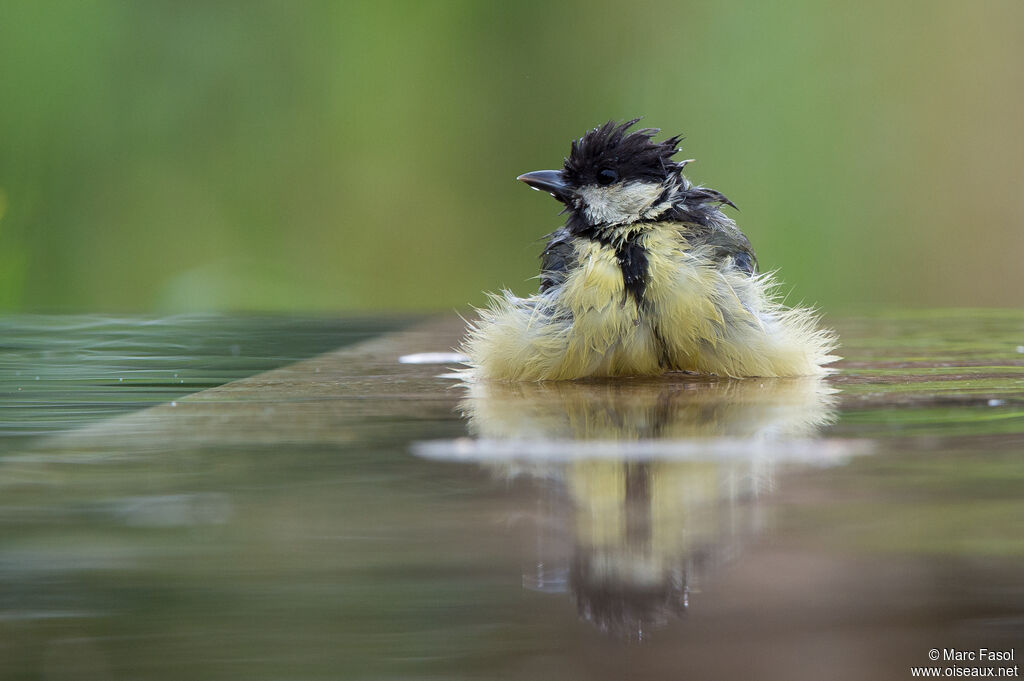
(633, 263)
(631, 256)
(632, 259)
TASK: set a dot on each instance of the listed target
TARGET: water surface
(349, 516)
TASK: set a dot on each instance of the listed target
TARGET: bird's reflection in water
(648, 484)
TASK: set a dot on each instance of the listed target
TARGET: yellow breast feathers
(696, 314)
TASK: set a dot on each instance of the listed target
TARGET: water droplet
(996, 403)
(174, 404)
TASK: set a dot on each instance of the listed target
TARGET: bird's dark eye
(606, 176)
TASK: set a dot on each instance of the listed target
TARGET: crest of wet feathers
(647, 275)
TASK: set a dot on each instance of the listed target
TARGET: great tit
(647, 275)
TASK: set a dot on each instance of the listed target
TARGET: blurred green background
(170, 156)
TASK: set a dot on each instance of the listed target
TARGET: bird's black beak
(549, 181)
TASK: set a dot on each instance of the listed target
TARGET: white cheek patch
(619, 203)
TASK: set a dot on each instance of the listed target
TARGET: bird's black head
(613, 176)
(609, 154)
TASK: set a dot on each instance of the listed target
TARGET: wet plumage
(647, 275)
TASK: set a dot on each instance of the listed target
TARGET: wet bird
(647, 275)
